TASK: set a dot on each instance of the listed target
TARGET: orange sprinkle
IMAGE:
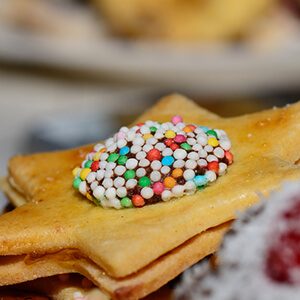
(169, 182)
(187, 129)
(138, 200)
(177, 173)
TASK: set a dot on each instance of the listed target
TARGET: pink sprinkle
(158, 188)
(176, 120)
(179, 138)
(121, 135)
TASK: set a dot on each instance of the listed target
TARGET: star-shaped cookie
(123, 242)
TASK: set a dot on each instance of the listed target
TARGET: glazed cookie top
(152, 162)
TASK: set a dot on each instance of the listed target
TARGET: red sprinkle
(95, 166)
(168, 142)
(174, 146)
(193, 127)
(158, 188)
(213, 166)
(229, 157)
(140, 124)
(154, 154)
(138, 200)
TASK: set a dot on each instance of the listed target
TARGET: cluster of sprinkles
(153, 162)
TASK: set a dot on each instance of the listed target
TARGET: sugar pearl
(189, 186)
(131, 183)
(197, 147)
(225, 144)
(193, 155)
(99, 192)
(219, 152)
(191, 134)
(103, 164)
(110, 193)
(190, 164)
(208, 148)
(104, 202)
(110, 166)
(191, 141)
(120, 170)
(179, 163)
(202, 153)
(147, 192)
(100, 174)
(167, 152)
(109, 142)
(155, 176)
(222, 168)
(202, 162)
(211, 157)
(156, 165)
(107, 183)
(108, 173)
(166, 195)
(98, 147)
(160, 146)
(104, 156)
(135, 149)
(147, 147)
(140, 172)
(152, 141)
(119, 182)
(131, 163)
(165, 170)
(144, 129)
(144, 163)
(178, 190)
(94, 184)
(115, 203)
(188, 174)
(139, 141)
(112, 148)
(211, 176)
(121, 143)
(180, 154)
(202, 139)
(124, 129)
(130, 136)
(140, 155)
(82, 187)
(91, 177)
(121, 192)
(158, 135)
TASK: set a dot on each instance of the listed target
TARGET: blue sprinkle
(167, 161)
(124, 150)
(204, 128)
(200, 180)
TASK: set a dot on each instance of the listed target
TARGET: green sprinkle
(186, 146)
(129, 174)
(113, 157)
(126, 202)
(153, 129)
(201, 187)
(212, 132)
(76, 182)
(122, 159)
(88, 164)
(144, 181)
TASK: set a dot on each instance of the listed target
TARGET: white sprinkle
(225, 144)
(90, 156)
(179, 163)
(124, 129)
(208, 148)
(121, 143)
(110, 165)
(112, 148)
(160, 146)
(135, 149)
(188, 174)
(147, 147)
(193, 155)
(202, 162)
(104, 202)
(140, 172)
(130, 136)
(156, 165)
(152, 141)
(190, 164)
(178, 190)
(99, 192)
(108, 173)
(120, 170)
(199, 130)
(107, 183)
(149, 123)
(91, 177)
(94, 184)
(155, 176)
(202, 139)
(165, 170)
(158, 135)
(144, 129)
(121, 192)
(119, 182)
(166, 195)
(191, 141)
(211, 158)
(115, 203)
(197, 147)
(189, 186)
(147, 192)
(222, 168)
(191, 134)
(180, 125)
(104, 156)
(109, 142)
(219, 152)
(131, 183)
(138, 141)
(82, 187)
(144, 163)
(202, 153)
(140, 155)
(103, 164)
(100, 174)
(167, 152)
(131, 163)
(110, 193)
(211, 176)
(180, 154)
(98, 147)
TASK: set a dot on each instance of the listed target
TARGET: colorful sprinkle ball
(153, 162)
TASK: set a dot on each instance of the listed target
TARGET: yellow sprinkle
(170, 134)
(97, 156)
(89, 196)
(84, 173)
(76, 171)
(147, 136)
(213, 142)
